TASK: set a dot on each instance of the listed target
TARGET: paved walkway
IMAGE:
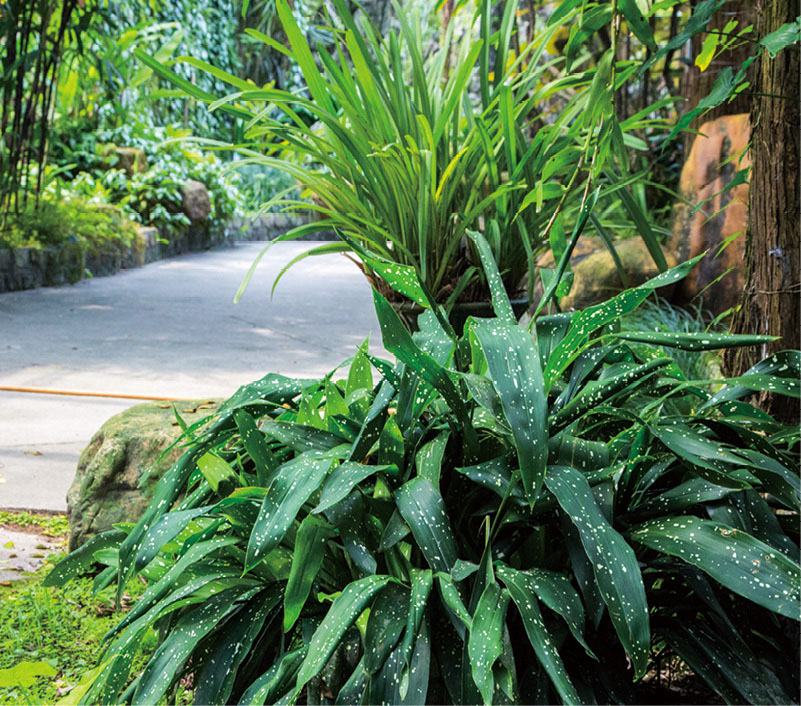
(167, 329)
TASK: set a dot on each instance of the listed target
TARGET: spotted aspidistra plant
(522, 514)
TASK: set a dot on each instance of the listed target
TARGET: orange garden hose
(43, 391)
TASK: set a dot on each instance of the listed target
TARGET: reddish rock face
(717, 154)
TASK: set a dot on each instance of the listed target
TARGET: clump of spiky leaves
(488, 519)
(403, 157)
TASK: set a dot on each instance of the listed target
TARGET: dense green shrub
(57, 221)
(513, 516)
(153, 197)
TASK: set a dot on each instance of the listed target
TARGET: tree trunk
(770, 301)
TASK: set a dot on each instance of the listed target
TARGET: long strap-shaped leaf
(162, 668)
(292, 485)
(484, 645)
(347, 606)
(613, 561)
(398, 341)
(521, 588)
(307, 559)
(423, 510)
(737, 560)
(514, 366)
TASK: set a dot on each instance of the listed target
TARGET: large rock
(717, 154)
(595, 276)
(131, 160)
(106, 485)
(196, 203)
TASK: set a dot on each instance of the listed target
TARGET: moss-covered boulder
(595, 275)
(106, 488)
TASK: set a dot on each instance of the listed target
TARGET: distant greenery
(152, 197)
(69, 219)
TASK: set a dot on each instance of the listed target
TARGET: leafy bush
(154, 197)
(513, 516)
(54, 222)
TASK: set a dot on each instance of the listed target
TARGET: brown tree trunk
(770, 302)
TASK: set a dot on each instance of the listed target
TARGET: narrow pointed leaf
(514, 366)
(614, 564)
(291, 487)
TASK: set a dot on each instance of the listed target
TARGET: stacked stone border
(28, 268)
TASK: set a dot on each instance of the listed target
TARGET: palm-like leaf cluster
(511, 516)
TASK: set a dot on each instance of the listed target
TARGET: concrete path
(167, 329)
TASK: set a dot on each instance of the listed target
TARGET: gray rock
(106, 489)
(196, 203)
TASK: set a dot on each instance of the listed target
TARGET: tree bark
(770, 303)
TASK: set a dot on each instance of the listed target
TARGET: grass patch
(45, 524)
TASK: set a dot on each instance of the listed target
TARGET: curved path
(169, 329)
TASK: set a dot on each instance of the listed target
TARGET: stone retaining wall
(28, 268)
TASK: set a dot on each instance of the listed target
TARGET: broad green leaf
(398, 341)
(301, 438)
(388, 616)
(307, 558)
(484, 644)
(614, 564)
(216, 470)
(215, 680)
(592, 397)
(166, 529)
(256, 446)
(521, 588)
(558, 594)
(429, 458)
(637, 23)
(293, 484)
(786, 36)
(784, 364)
(733, 558)
(500, 299)
(347, 606)
(276, 681)
(373, 423)
(83, 558)
(25, 674)
(706, 341)
(343, 479)
(162, 668)
(423, 509)
(514, 366)
(422, 581)
(452, 599)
